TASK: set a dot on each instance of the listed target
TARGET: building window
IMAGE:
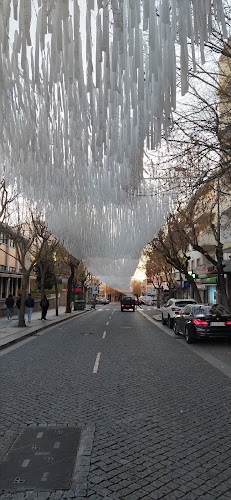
(3, 268)
(12, 244)
(12, 269)
(3, 238)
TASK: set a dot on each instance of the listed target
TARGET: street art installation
(84, 86)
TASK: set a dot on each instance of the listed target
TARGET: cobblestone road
(155, 417)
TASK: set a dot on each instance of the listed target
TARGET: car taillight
(175, 309)
(228, 323)
(122, 305)
(201, 322)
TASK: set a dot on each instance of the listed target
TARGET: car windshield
(184, 303)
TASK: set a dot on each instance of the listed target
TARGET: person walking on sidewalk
(29, 304)
(9, 304)
(138, 302)
(93, 303)
(44, 304)
(18, 304)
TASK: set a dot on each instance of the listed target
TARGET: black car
(128, 302)
(200, 321)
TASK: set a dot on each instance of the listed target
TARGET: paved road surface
(155, 416)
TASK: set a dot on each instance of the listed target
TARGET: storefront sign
(206, 269)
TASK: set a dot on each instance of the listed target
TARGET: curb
(156, 318)
(39, 329)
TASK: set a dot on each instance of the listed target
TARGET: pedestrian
(93, 303)
(9, 304)
(18, 304)
(29, 304)
(138, 302)
(44, 305)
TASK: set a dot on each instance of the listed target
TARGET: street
(154, 413)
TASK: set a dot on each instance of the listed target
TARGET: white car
(172, 307)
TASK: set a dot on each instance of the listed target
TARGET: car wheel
(122, 309)
(170, 322)
(175, 328)
(188, 337)
(163, 320)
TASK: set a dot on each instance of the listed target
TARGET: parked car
(202, 321)
(172, 307)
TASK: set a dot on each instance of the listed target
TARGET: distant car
(149, 301)
(146, 300)
(103, 301)
(172, 307)
(202, 321)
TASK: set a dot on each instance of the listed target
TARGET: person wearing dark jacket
(18, 304)
(44, 304)
(29, 304)
(9, 304)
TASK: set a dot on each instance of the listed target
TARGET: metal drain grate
(41, 459)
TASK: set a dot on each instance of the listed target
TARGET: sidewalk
(157, 314)
(11, 333)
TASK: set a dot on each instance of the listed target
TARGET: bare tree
(30, 237)
(173, 248)
(47, 261)
(6, 200)
(136, 287)
(159, 269)
(71, 264)
(204, 215)
(198, 148)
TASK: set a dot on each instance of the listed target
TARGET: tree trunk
(25, 281)
(43, 273)
(158, 298)
(56, 299)
(69, 289)
(221, 284)
(193, 284)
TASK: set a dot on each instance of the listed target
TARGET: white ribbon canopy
(84, 86)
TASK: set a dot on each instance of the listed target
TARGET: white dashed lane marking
(96, 365)
(104, 335)
(26, 462)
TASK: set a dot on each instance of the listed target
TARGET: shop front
(207, 283)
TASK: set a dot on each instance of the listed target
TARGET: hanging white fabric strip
(84, 87)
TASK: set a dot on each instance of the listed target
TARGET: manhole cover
(41, 459)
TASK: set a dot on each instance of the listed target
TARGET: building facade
(10, 269)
